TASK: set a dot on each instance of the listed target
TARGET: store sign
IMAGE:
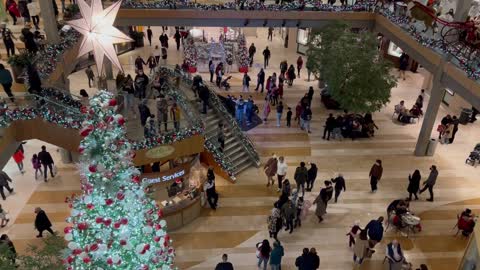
(160, 152)
(163, 178)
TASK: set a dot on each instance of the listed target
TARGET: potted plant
(18, 62)
(138, 38)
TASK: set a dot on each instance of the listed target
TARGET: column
(292, 39)
(49, 21)
(436, 95)
(111, 82)
(461, 11)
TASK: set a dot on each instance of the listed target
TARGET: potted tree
(18, 62)
(138, 38)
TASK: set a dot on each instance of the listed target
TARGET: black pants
(298, 72)
(150, 40)
(251, 60)
(280, 180)
(258, 84)
(7, 87)
(45, 166)
(222, 143)
(10, 49)
(211, 76)
(289, 123)
(265, 62)
(430, 190)
(270, 36)
(298, 221)
(337, 194)
(410, 195)
(301, 185)
(14, 18)
(8, 188)
(49, 229)
(289, 224)
(36, 21)
(212, 198)
(453, 134)
(273, 234)
(157, 58)
(326, 133)
(178, 45)
(205, 106)
(373, 182)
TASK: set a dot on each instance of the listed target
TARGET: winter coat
(45, 158)
(432, 178)
(413, 183)
(4, 179)
(41, 221)
(18, 156)
(376, 171)
(276, 255)
(312, 173)
(271, 167)
(301, 175)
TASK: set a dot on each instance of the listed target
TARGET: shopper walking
(306, 117)
(276, 256)
(414, 184)
(301, 176)
(313, 260)
(18, 157)
(4, 179)
(291, 75)
(329, 126)
(299, 65)
(339, 186)
(47, 162)
(224, 264)
(260, 80)
(263, 253)
(289, 212)
(152, 63)
(282, 168)
(375, 174)
(289, 117)
(279, 113)
(12, 8)
(266, 57)
(274, 222)
(34, 10)
(209, 188)
(430, 182)
(246, 82)
(6, 80)
(149, 35)
(140, 84)
(139, 63)
(360, 247)
(375, 231)
(211, 69)
(204, 95)
(312, 176)
(270, 169)
(266, 110)
(177, 38)
(301, 261)
(162, 112)
(270, 33)
(455, 122)
(37, 165)
(322, 200)
(8, 38)
(42, 223)
(251, 53)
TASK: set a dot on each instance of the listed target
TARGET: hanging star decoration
(98, 31)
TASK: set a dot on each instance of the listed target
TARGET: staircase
(239, 150)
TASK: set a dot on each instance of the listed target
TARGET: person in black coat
(47, 161)
(312, 260)
(414, 184)
(144, 112)
(312, 175)
(204, 95)
(302, 261)
(329, 126)
(4, 240)
(42, 223)
(339, 185)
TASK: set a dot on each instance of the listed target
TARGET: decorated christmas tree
(242, 56)
(190, 54)
(114, 224)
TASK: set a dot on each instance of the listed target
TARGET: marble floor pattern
(240, 221)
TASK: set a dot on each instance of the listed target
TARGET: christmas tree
(243, 59)
(114, 224)
(190, 52)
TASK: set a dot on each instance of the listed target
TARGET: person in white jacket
(34, 11)
(282, 168)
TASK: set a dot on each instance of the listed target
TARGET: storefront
(302, 40)
(177, 188)
(393, 52)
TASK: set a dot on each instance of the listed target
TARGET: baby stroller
(474, 156)
(225, 84)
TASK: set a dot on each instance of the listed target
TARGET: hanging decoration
(98, 31)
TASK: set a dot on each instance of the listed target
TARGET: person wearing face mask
(394, 255)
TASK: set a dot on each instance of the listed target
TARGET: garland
(220, 158)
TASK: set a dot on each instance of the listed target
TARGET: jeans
(129, 102)
(45, 166)
(239, 116)
(301, 185)
(258, 84)
(289, 224)
(265, 262)
(211, 76)
(20, 166)
(279, 117)
(36, 21)
(142, 93)
(305, 124)
(8, 188)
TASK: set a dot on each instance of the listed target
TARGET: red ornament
(82, 226)
(146, 247)
(69, 259)
(93, 247)
(76, 251)
(99, 220)
(84, 132)
(112, 102)
(136, 179)
(67, 229)
(145, 267)
(121, 121)
(90, 206)
(109, 261)
(167, 238)
(81, 149)
(107, 222)
(156, 238)
(124, 221)
(87, 260)
(120, 195)
(123, 242)
(116, 225)
(109, 201)
(150, 211)
(158, 227)
(160, 213)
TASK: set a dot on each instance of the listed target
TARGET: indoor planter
(18, 62)
(138, 38)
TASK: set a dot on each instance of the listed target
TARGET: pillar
(436, 95)
(292, 38)
(49, 21)
(461, 11)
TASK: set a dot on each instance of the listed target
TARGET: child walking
(37, 166)
(353, 232)
(18, 157)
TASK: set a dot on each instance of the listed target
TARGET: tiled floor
(240, 221)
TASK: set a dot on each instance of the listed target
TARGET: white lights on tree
(98, 31)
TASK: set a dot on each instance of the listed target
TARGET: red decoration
(192, 69)
(107, 222)
(87, 260)
(76, 251)
(146, 247)
(69, 259)
(124, 221)
(90, 206)
(123, 242)
(84, 132)
(82, 226)
(121, 121)
(93, 247)
(117, 225)
(112, 102)
(243, 69)
(120, 196)
(109, 261)
(108, 201)
(99, 220)
(81, 149)
(83, 109)
(156, 238)
(160, 213)
(67, 229)
(92, 168)
(136, 179)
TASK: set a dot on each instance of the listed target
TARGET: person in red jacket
(18, 157)
(12, 8)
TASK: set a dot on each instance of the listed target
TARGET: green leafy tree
(356, 75)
